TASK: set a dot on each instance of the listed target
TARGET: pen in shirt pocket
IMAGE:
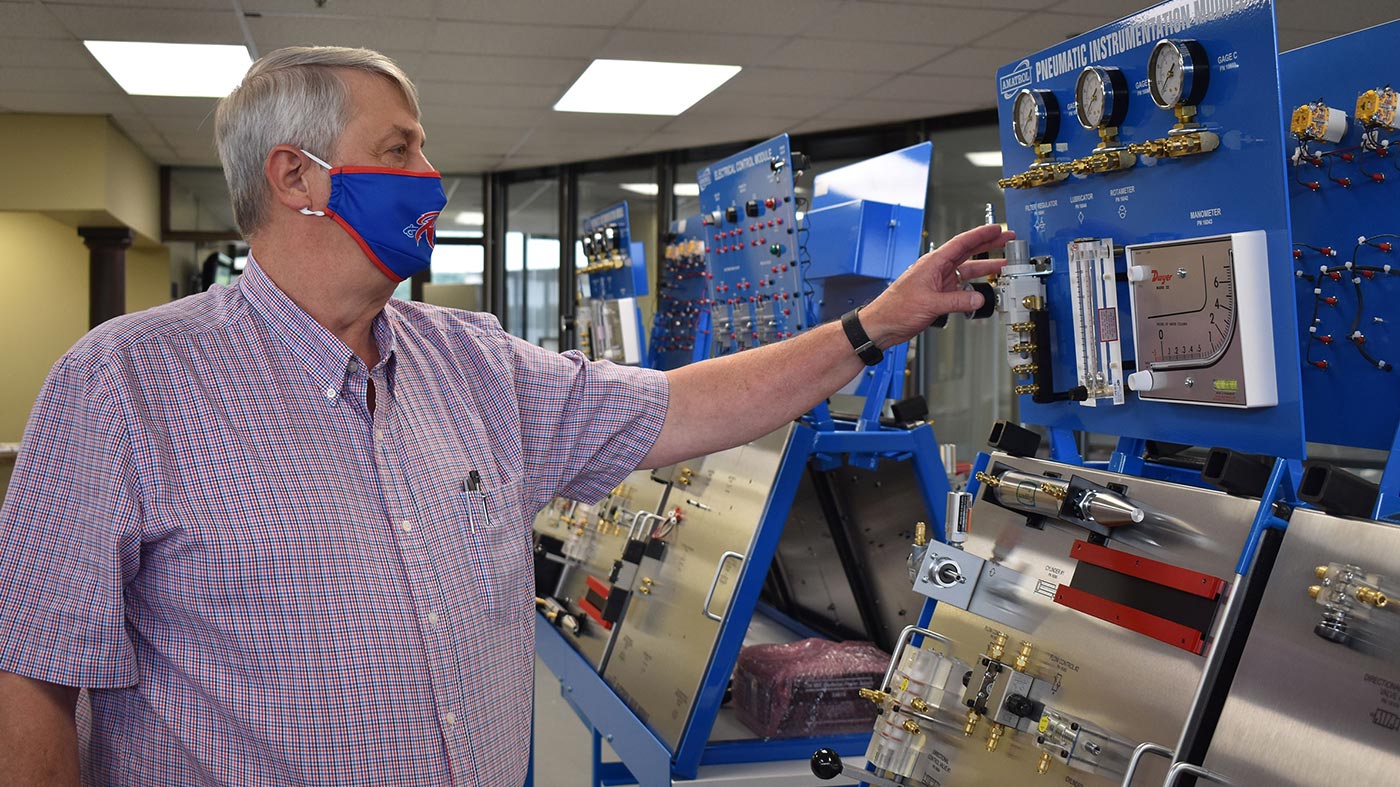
(472, 483)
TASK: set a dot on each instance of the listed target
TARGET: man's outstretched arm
(38, 737)
(724, 402)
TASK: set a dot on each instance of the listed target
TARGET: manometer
(1035, 117)
(1101, 97)
(1177, 73)
(1202, 322)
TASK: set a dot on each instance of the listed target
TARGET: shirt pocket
(498, 550)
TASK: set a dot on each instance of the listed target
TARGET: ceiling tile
(594, 13)
(916, 24)
(444, 116)
(800, 82)
(1018, 5)
(66, 103)
(942, 89)
(603, 123)
(973, 62)
(736, 49)
(824, 124)
(723, 106)
(498, 39)
(483, 95)
(149, 24)
(57, 80)
(1034, 33)
(196, 5)
(501, 69)
(742, 127)
(457, 137)
(171, 105)
(42, 53)
(833, 54)
(176, 127)
(871, 111)
(745, 16)
(275, 32)
(399, 9)
(1106, 10)
(28, 20)
(1337, 17)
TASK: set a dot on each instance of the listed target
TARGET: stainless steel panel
(1116, 679)
(598, 543)
(665, 642)
(881, 507)
(1303, 710)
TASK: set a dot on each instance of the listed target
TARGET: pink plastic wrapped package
(807, 688)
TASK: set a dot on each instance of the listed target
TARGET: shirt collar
(328, 360)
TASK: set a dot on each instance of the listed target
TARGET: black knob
(989, 301)
(826, 764)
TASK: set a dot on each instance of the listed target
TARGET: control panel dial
(1101, 97)
(1035, 117)
(1177, 73)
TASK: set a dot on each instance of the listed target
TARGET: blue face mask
(391, 213)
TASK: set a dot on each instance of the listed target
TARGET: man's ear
(290, 177)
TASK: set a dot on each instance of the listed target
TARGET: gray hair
(292, 96)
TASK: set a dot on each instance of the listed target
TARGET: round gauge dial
(1035, 117)
(1177, 73)
(1101, 97)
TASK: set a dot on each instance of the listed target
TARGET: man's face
(382, 131)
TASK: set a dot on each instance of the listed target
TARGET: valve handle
(826, 764)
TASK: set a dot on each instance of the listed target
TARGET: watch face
(1035, 117)
(1177, 73)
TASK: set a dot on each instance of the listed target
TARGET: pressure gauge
(1035, 117)
(1101, 97)
(1177, 73)
(1202, 321)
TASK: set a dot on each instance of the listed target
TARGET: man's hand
(38, 737)
(933, 286)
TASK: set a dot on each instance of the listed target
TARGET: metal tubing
(1193, 770)
(909, 631)
(1141, 751)
(714, 583)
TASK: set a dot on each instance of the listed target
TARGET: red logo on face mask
(425, 227)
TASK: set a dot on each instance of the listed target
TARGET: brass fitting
(1026, 327)
(919, 705)
(874, 695)
(988, 479)
(1321, 572)
(1023, 347)
(1059, 493)
(920, 534)
(971, 725)
(1026, 389)
(994, 737)
(1023, 658)
(1314, 591)
(1041, 173)
(1043, 766)
(997, 646)
(1373, 597)
(911, 726)
(1025, 368)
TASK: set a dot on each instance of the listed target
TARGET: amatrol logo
(1019, 77)
(702, 178)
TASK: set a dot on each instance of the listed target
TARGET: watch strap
(860, 340)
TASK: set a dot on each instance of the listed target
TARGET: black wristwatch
(860, 340)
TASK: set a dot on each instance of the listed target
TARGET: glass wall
(636, 187)
(532, 261)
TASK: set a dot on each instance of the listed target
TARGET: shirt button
(406, 525)
(379, 434)
(433, 618)
(330, 393)
(449, 718)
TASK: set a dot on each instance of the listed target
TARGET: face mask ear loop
(313, 157)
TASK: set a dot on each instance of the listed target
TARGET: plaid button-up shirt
(263, 582)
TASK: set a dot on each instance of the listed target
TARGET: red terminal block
(1297, 254)
(1320, 364)
(1335, 276)
(1378, 177)
(1313, 185)
(1384, 246)
(1325, 339)
(1330, 300)
(1328, 250)
(1344, 182)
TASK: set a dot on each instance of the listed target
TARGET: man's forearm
(38, 736)
(731, 400)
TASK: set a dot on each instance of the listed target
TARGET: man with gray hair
(280, 531)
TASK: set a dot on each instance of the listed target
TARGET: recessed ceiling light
(642, 87)
(148, 69)
(469, 218)
(984, 158)
(651, 189)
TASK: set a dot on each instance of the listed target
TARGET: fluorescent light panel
(651, 189)
(150, 69)
(984, 158)
(642, 87)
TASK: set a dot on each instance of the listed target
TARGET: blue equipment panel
(1345, 186)
(1236, 188)
(758, 287)
(680, 332)
(616, 266)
